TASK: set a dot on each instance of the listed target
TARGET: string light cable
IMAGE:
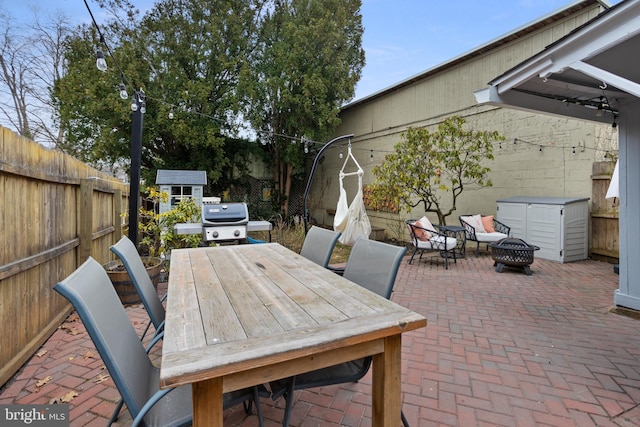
(140, 99)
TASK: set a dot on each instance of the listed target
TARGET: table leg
(387, 398)
(207, 402)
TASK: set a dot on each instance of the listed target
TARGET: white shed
(558, 225)
(180, 184)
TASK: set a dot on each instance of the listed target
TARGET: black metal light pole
(305, 214)
(138, 107)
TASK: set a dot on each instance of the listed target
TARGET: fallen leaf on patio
(42, 382)
(71, 357)
(41, 353)
(68, 397)
(89, 355)
(101, 378)
(70, 329)
(63, 399)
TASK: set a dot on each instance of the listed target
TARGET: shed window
(179, 192)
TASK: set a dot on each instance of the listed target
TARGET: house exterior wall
(519, 168)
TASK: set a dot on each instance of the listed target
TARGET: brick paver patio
(500, 349)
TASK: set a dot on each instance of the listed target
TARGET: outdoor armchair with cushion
(483, 229)
(425, 237)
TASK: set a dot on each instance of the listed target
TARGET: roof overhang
(588, 74)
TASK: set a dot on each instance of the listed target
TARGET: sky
(401, 38)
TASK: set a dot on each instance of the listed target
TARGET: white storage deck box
(558, 225)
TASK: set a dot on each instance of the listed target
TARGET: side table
(460, 234)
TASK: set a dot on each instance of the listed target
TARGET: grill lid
(225, 213)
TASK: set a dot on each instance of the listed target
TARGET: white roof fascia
(521, 75)
(612, 28)
(526, 102)
(596, 40)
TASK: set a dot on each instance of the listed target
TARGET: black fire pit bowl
(512, 252)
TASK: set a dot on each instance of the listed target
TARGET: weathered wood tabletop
(243, 315)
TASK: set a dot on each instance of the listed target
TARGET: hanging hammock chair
(351, 220)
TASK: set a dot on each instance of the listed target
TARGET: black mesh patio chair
(91, 294)
(318, 246)
(128, 254)
(373, 265)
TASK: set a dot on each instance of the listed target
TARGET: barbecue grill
(224, 222)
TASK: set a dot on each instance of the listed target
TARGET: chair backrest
(318, 245)
(374, 265)
(128, 254)
(92, 295)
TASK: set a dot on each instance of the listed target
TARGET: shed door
(514, 215)
(544, 229)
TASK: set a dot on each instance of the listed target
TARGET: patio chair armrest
(501, 228)
(438, 238)
(470, 230)
(154, 341)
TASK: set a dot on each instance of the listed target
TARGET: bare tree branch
(30, 63)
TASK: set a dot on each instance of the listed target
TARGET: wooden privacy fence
(604, 215)
(55, 212)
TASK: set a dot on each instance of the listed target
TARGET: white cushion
(475, 221)
(426, 223)
(437, 242)
(490, 237)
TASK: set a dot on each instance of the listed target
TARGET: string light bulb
(171, 113)
(123, 91)
(371, 157)
(600, 111)
(134, 106)
(341, 155)
(574, 150)
(141, 100)
(101, 63)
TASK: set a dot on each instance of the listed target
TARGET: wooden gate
(604, 215)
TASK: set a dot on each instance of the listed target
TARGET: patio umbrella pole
(305, 215)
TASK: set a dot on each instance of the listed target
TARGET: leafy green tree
(433, 168)
(95, 121)
(187, 56)
(308, 63)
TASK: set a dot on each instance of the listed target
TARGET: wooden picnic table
(243, 315)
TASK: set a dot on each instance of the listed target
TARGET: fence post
(117, 219)
(85, 220)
